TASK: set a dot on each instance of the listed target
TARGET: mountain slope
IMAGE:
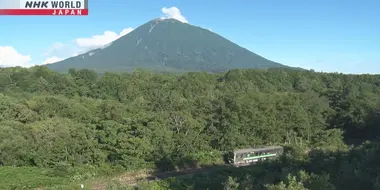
(167, 45)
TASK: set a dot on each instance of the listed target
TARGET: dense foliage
(167, 46)
(67, 123)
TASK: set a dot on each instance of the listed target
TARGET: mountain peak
(167, 20)
(167, 45)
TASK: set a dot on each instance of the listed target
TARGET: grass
(28, 178)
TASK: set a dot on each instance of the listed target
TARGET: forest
(61, 128)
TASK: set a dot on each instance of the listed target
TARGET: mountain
(167, 45)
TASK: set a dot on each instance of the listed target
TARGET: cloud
(82, 45)
(51, 60)
(11, 58)
(175, 13)
(97, 41)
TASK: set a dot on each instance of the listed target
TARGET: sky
(324, 35)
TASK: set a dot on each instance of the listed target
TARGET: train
(248, 156)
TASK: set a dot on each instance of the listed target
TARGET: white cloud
(51, 60)
(125, 31)
(97, 41)
(174, 12)
(10, 57)
(83, 45)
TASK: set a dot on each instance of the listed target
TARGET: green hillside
(167, 45)
(59, 129)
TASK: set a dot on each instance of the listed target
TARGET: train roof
(257, 149)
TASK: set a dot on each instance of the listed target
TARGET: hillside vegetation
(167, 46)
(61, 128)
